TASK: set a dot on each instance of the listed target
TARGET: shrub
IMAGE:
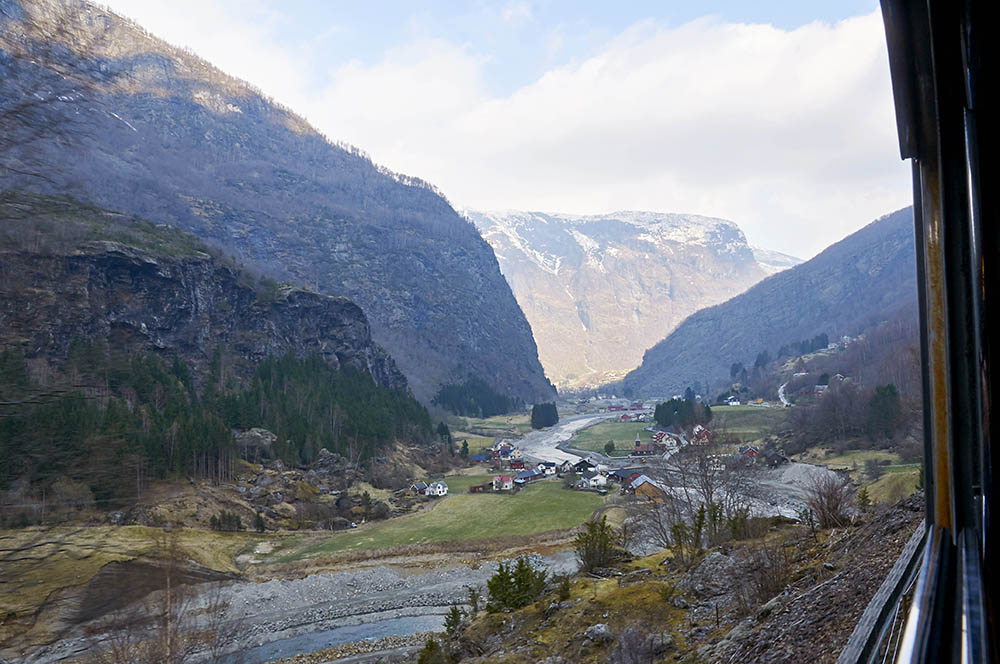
(597, 545)
(226, 521)
(873, 469)
(453, 621)
(433, 653)
(511, 588)
(828, 497)
(563, 589)
(765, 571)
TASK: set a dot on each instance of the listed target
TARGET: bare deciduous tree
(829, 498)
(174, 624)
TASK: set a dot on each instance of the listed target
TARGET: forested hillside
(129, 351)
(850, 287)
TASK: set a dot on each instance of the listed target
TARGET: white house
(547, 467)
(436, 489)
(503, 483)
(594, 480)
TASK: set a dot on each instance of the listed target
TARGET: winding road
(781, 395)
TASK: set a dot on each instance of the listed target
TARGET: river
(541, 445)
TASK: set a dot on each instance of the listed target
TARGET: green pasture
(749, 423)
(535, 509)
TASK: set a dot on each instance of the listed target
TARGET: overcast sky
(775, 115)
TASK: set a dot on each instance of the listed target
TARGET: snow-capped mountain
(599, 290)
(774, 261)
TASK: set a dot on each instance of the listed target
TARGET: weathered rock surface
(599, 633)
(185, 306)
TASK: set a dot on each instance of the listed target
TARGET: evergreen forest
(112, 422)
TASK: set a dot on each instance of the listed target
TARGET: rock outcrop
(177, 301)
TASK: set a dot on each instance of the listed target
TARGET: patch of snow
(118, 117)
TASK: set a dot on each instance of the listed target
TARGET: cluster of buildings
(432, 489)
(523, 477)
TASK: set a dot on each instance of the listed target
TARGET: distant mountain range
(850, 287)
(164, 135)
(599, 290)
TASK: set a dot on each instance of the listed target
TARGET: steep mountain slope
(599, 290)
(166, 136)
(73, 272)
(861, 280)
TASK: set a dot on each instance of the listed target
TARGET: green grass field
(497, 425)
(898, 481)
(748, 422)
(461, 483)
(534, 509)
(595, 437)
(476, 442)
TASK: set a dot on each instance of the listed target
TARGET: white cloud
(789, 133)
(517, 13)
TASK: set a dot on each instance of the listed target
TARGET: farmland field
(537, 508)
(594, 438)
(461, 483)
(899, 479)
(495, 426)
(748, 422)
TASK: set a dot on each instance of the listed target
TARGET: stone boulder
(709, 578)
(599, 633)
(255, 443)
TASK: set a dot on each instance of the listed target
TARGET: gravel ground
(541, 445)
(284, 608)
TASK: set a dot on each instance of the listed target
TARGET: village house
(503, 483)
(517, 464)
(547, 467)
(436, 489)
(644, 487)
(528, 476)
(584, 466)
(418, 487)
(701, 435)
(593, 480)
(624, 475)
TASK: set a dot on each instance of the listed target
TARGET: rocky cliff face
(167, 137)
(851, 286)
(173, 300)
(599, 290)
